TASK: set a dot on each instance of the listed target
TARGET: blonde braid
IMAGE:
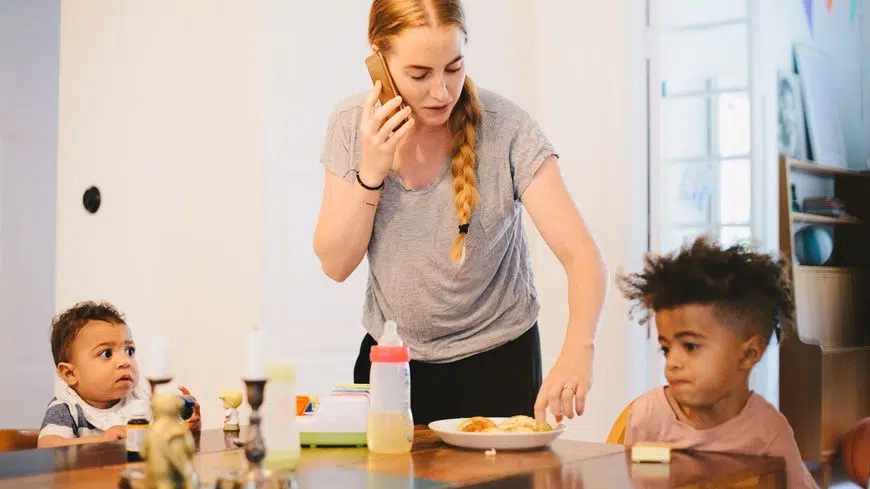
(463, 127)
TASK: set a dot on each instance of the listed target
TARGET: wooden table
(566, 464)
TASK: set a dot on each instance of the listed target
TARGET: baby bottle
(390, 424)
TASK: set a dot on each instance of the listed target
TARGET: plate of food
(479, 432)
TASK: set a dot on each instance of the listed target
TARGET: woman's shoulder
(347, 111)
(504, 117)
(499, 105)
(351, 102)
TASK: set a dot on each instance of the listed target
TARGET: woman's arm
(560, 224)
(347, 211)
(344, 226)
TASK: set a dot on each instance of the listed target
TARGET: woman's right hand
(380, 136)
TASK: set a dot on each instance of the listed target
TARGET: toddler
(715, 310)
(97, 377)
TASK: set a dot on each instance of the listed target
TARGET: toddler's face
(704, 359)
(103, 367)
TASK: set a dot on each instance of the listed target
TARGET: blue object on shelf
(814, 245)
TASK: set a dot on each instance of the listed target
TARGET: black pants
(499, 382)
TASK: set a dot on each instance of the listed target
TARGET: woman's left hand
(564, 389)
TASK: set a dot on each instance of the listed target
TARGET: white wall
(28, 151)
(312, 321)
(589, 98)
(162, 106)
(765, 377)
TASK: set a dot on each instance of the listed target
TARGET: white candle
(159, 355)
(255, 366)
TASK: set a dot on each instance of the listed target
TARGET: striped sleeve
(58, 421)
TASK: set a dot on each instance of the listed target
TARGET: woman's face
(428, 67)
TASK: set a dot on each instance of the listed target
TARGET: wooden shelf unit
(820, 219)
(822, 169)
(825, 364)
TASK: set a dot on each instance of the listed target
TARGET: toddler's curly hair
(748, 289)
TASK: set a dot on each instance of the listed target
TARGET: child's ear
(67, 372)
(753, 350)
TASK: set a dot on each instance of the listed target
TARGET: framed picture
(790, 117)
(823, 119)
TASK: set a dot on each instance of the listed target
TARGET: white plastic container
(279, 427)
(341, 419)
(390, 425)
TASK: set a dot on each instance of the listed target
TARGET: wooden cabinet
(824, 367)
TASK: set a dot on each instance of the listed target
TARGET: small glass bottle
(279, 418)
(137, 430)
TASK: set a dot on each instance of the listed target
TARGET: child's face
(103, 367)
(705, 360)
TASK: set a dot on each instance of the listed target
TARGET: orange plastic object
(302, 403)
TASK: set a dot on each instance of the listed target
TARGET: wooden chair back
(617, 431)
(12, 440)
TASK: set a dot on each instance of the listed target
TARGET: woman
(448, 256)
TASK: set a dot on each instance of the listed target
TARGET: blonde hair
(231, 397)
(389, 18)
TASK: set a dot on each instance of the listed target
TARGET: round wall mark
(91, 200)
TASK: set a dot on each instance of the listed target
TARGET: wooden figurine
(168, 448)
(232, 400)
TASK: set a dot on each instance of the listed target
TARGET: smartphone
(378, 70)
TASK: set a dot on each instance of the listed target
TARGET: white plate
(446, 430)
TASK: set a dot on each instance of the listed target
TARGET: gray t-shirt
(446, 312)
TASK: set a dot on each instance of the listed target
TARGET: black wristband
(358, 179)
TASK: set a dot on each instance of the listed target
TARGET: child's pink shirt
(759, 429)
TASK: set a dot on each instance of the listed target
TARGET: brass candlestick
(255, 448)
(154, 382)
(255, 477)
